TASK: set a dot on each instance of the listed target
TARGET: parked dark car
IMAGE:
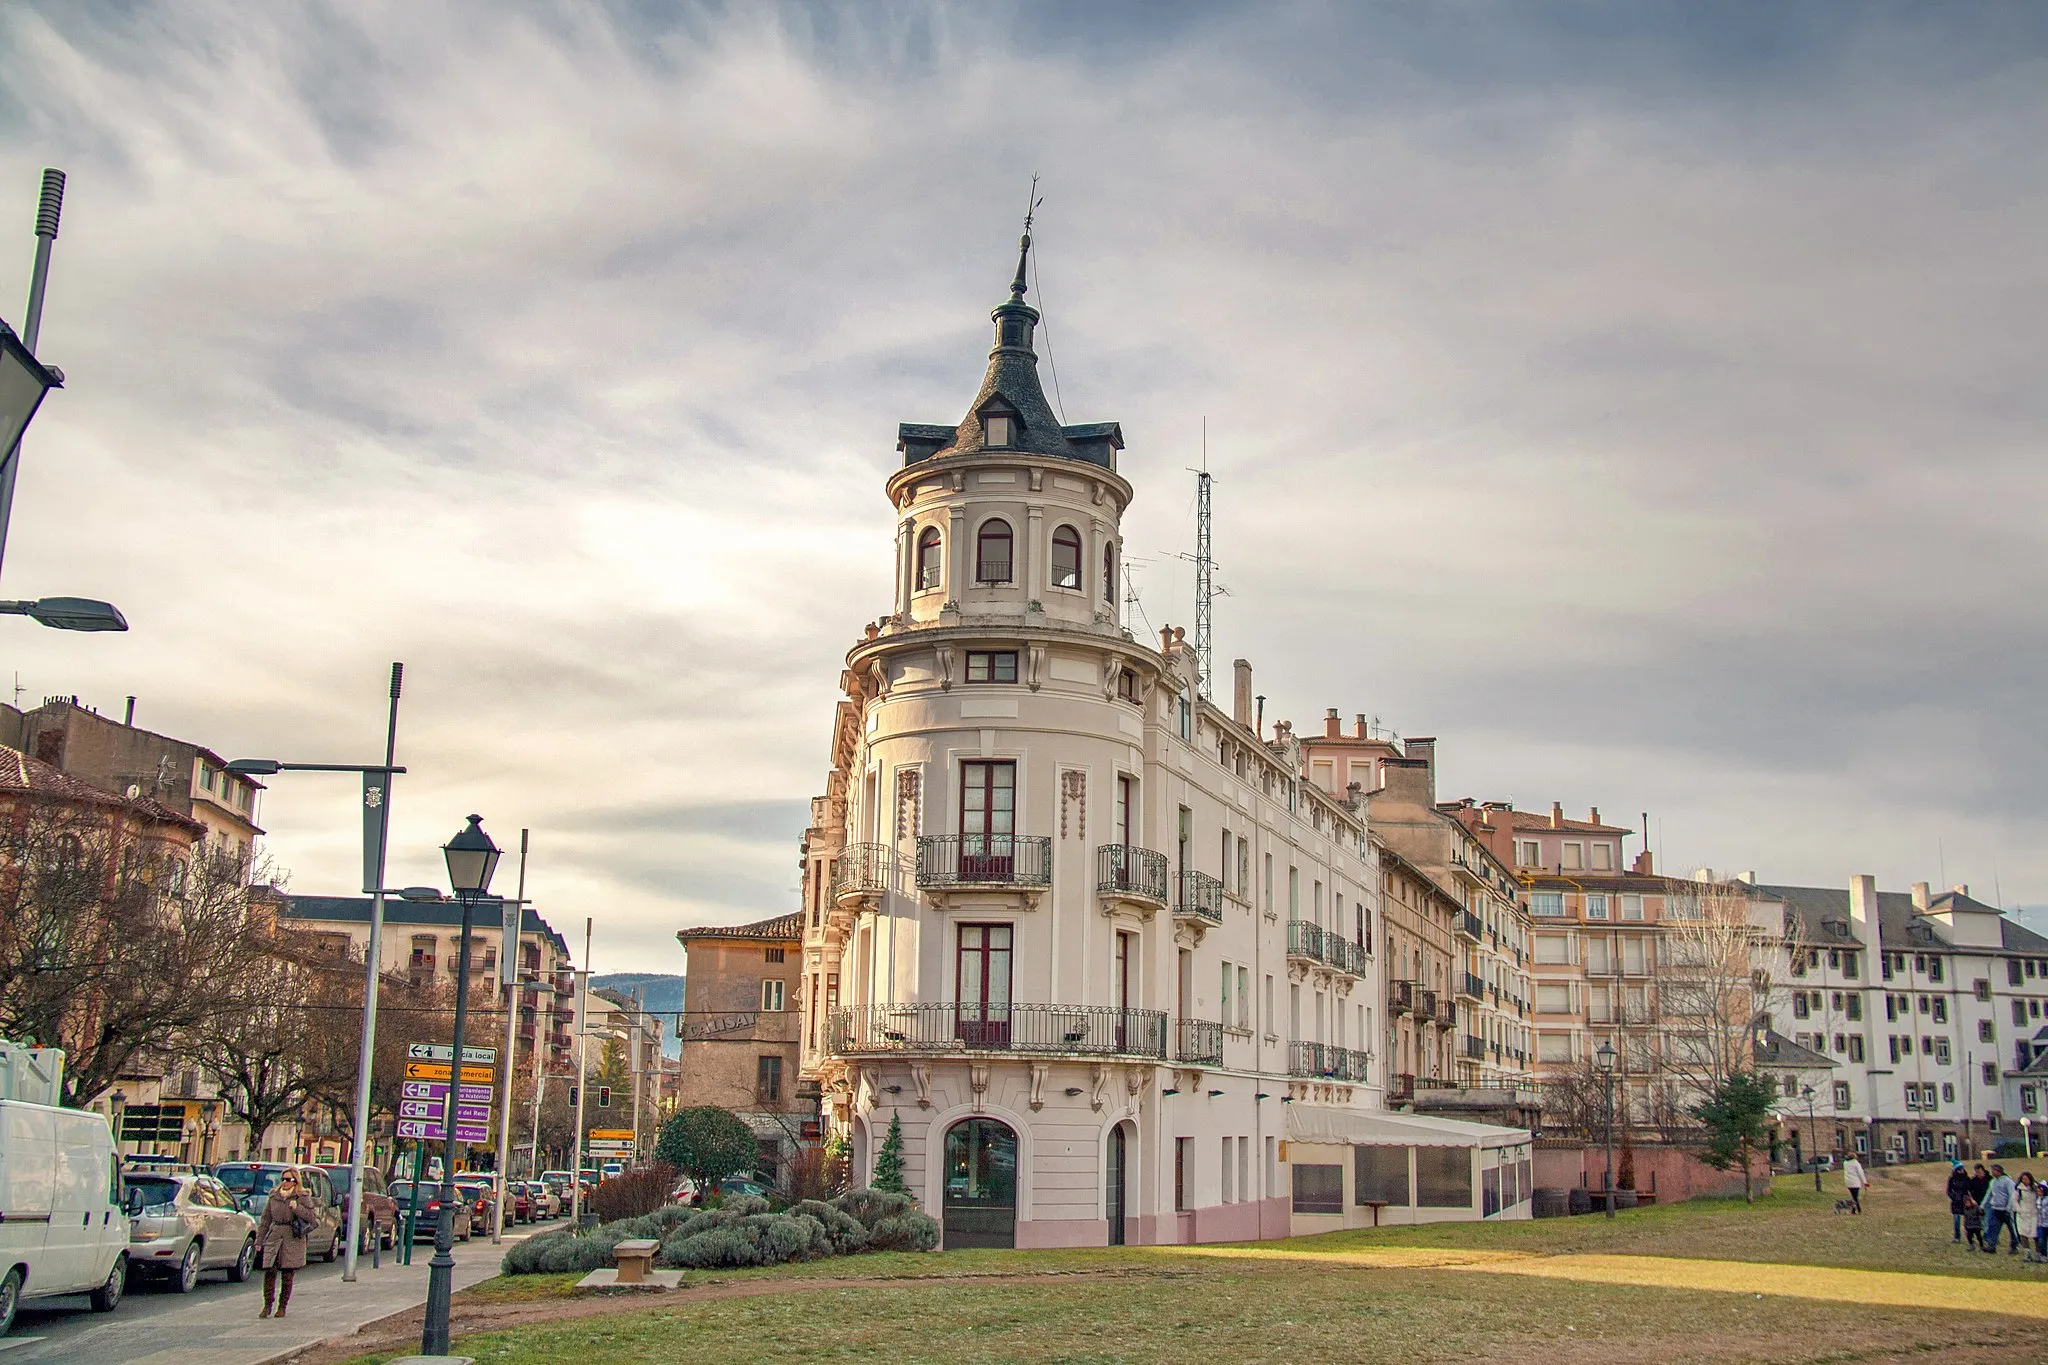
(482, 1203)
(429, 1211)
(251, 1182)
(519, 1209)
(380, 1211)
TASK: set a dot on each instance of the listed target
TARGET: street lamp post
(1604, 1060)
(1812, 1136)
(2027, 1132)
(472, 858)
(376, 835)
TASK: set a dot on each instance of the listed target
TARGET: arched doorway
(1114, 1185)
(981, 1184)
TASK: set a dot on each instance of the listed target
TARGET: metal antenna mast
(1205, 572)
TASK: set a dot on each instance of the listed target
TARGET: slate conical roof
(1011, 388)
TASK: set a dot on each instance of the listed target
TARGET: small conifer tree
(889, 1161)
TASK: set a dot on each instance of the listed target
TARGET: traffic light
(572, 1097)
(604, 1097)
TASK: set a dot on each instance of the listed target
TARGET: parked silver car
(181, 1225)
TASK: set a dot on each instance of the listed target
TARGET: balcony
(997, 861)
(1325, 948)
(1200, 901)
(1446, 1014)
(1473, 987)
(942, 1027)
(1475, 1048)
(1198, 1041)
(1400, 997)
(1327, 1062)
(1131, 875)
(862, 871)
(1403, 1088)
(1471, 926)
(1425, 1005)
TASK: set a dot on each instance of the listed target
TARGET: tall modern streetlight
(1604, 1060)
(1812, 1136)
(24, 382)
(472, 858)
(376, 834)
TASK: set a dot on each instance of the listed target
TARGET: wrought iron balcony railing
(1199, 1041)
(1447, 1014)
(863, 869)
(1473, 987)
(1326, 1061)
(1475, 1048)
(1201, 897)
(1400, 996)
(984, 860)
(1471, 925)
(941, 1026)
(1127, 870)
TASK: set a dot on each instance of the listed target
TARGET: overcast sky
(1647, 402)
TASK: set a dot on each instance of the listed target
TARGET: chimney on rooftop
(1863, 906)
(1595, 817)
(1644, 866)
(1920, 896)
(1332, 727)
(1422, 749)
(1961, 888)
(129, 719)
(1259, 718)
(1241, 694)
(1557, 815)
(1358, 730)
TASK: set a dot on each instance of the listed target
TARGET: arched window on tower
(930, 565)
(1109, 573)
(992, 552)
(1066, 558)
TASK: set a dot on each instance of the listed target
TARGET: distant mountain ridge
(659, 992)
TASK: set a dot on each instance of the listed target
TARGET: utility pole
(638, 1034)
(508, 978)
(582, 1080)
(1205, 573)
(49, 208)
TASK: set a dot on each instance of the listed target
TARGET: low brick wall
(1673, 1174)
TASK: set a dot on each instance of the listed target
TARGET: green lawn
(1163, 1305)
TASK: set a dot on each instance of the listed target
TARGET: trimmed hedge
(740, 1233)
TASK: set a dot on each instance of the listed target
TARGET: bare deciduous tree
(1713, 984)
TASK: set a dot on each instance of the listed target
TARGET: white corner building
(1093, 941)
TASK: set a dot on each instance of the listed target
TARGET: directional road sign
(443, 1052)
(432, 1109)
(611, 1134)
(432, 1131)
(438, 1090)
(438, 1071)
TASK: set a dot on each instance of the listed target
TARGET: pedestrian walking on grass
(1958, 1196)
(1855, 1179)
(2026, 1211)
(288, 1216)
(1998, 1211)
(1973, 1224)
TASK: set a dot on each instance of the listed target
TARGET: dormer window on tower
(997, 430)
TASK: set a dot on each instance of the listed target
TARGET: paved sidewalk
(216, 1324)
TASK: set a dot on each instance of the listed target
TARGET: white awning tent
(1344, 1127)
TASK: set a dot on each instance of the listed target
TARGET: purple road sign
(438, 1090)
(431, 1130)
(433, 1109)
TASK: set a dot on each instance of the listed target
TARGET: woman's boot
(269, 1292)
(284, 1293)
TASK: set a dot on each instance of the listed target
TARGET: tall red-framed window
(931, 566)
(988, 820)
(982, 984)
(1066, 558)
(992, 552)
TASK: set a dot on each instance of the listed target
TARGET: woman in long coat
(281, 1233)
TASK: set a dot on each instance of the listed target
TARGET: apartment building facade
(741, 1048)
(1090, 939)
(1928, 1006)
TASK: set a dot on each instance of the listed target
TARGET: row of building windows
(994, 561)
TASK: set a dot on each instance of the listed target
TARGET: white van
(62, 1227)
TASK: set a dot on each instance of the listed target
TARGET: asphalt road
(217, 1323)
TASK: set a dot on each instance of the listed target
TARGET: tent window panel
(1318, 1189)
(1443, 1177)
(1381, 1176)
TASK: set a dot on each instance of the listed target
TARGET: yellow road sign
(612, 1134)
(438, 1071)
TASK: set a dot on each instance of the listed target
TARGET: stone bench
(635, 1259)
